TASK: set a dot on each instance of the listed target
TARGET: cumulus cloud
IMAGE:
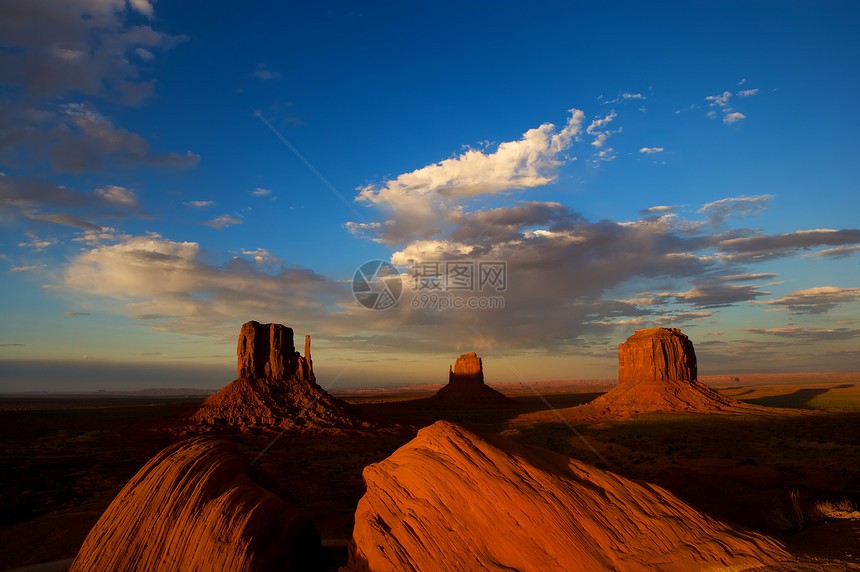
(733, 117)
(261, 192)
(817, 300)
(417, 200)
(718, 212)
(721, 103)
(651, 150)
(627, 95)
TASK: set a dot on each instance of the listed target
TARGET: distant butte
(657, 371)
(451, 499)
(276, 387)
(466, 388)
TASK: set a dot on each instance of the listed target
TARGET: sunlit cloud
(651, 150)
(224, 221)
(817, 300)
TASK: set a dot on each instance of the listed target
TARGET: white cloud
(627, 95)
(721, 100)
(260, 192)
(419, 199)
(263, 256)
(748, 92)
(733, 117)
(651, 150)
(600, 134)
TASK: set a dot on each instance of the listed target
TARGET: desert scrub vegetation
(823, 509)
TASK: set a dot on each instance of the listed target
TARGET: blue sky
(171, 170)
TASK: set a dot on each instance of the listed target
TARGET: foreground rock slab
(195, 507)
(453, 500)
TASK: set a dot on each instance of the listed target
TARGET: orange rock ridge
(453, 500)
(194, 507)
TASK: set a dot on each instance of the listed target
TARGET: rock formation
(466, 388)
(452, 500)
(276, 386)
(657, 372)
(195, 507)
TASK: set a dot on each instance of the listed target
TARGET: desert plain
(787, 468)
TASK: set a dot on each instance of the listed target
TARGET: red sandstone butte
(194, 507)
(657, 371)
(466, 388)
(453, 500)
(276, 387)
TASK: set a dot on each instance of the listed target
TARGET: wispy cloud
(817, 300)
(767, 246)
(599, 132)
(651, 150)
(263, 72)
(199, 204)
(261, 192)
(224, 221)
(718, 212)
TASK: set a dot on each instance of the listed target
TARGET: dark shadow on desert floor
(799, 399)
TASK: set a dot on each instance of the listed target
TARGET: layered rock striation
(657, 371)
(194, 507)
(453, 500)
(276, 386)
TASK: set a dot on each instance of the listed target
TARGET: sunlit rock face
(467, 368)
(276, 386)
(656, 354)
(657, 372)
(451, 499)
(194, 506)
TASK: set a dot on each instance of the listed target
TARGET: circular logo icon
(376, 285)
